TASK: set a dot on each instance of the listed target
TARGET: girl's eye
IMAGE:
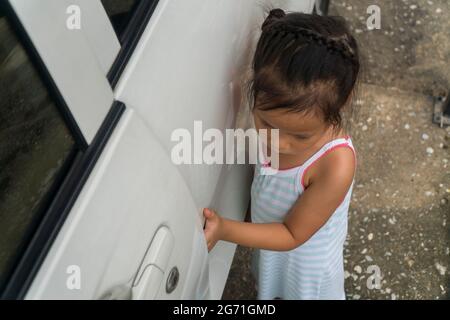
(300, 137)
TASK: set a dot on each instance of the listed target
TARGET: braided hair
(306, 63)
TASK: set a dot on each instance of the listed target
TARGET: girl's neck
(287, 161)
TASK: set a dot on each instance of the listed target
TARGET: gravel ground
(400, 211)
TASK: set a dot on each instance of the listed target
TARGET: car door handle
(151, 272)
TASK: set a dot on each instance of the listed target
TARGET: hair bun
(274, 14)
(277, 13)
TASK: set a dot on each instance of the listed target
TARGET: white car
(91, 205)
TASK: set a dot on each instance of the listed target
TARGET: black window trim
(130, 38)
(68, 184)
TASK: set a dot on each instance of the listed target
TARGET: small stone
(346, 274)
(407, 126)
(369, 258)
(425, 136)
(438, 10)
(413, 7)
(370, 236)
(364, 128)
(442, 270)
(356, 296)
(428, 193)
(388, 290)
(430, 150)
(357, 269)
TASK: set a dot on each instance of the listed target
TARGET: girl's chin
(287, 153)
(284, 153)
(281, 152)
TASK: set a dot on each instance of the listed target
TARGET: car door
(98, 209)
(190, 65)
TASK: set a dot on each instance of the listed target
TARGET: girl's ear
(274, 14)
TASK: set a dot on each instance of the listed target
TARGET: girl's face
(297, 131)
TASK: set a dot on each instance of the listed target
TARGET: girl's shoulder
(339, 162)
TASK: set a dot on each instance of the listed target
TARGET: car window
(35, 147)
(120, 13)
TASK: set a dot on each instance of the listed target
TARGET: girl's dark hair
(304, 62)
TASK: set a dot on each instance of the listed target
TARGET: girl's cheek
(283, 144)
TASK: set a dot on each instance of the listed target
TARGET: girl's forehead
(292, 121)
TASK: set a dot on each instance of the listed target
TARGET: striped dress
(314, 270)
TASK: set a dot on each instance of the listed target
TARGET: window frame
(130, 38)
(58, 202)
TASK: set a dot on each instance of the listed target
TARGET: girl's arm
(270, 236)
(310, 212)
(324, 194)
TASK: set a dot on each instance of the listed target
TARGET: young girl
(304, 72)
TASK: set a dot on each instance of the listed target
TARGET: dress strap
(327, 148)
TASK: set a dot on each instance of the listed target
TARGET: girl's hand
(213, 227)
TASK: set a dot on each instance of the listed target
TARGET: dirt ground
(400, 211)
